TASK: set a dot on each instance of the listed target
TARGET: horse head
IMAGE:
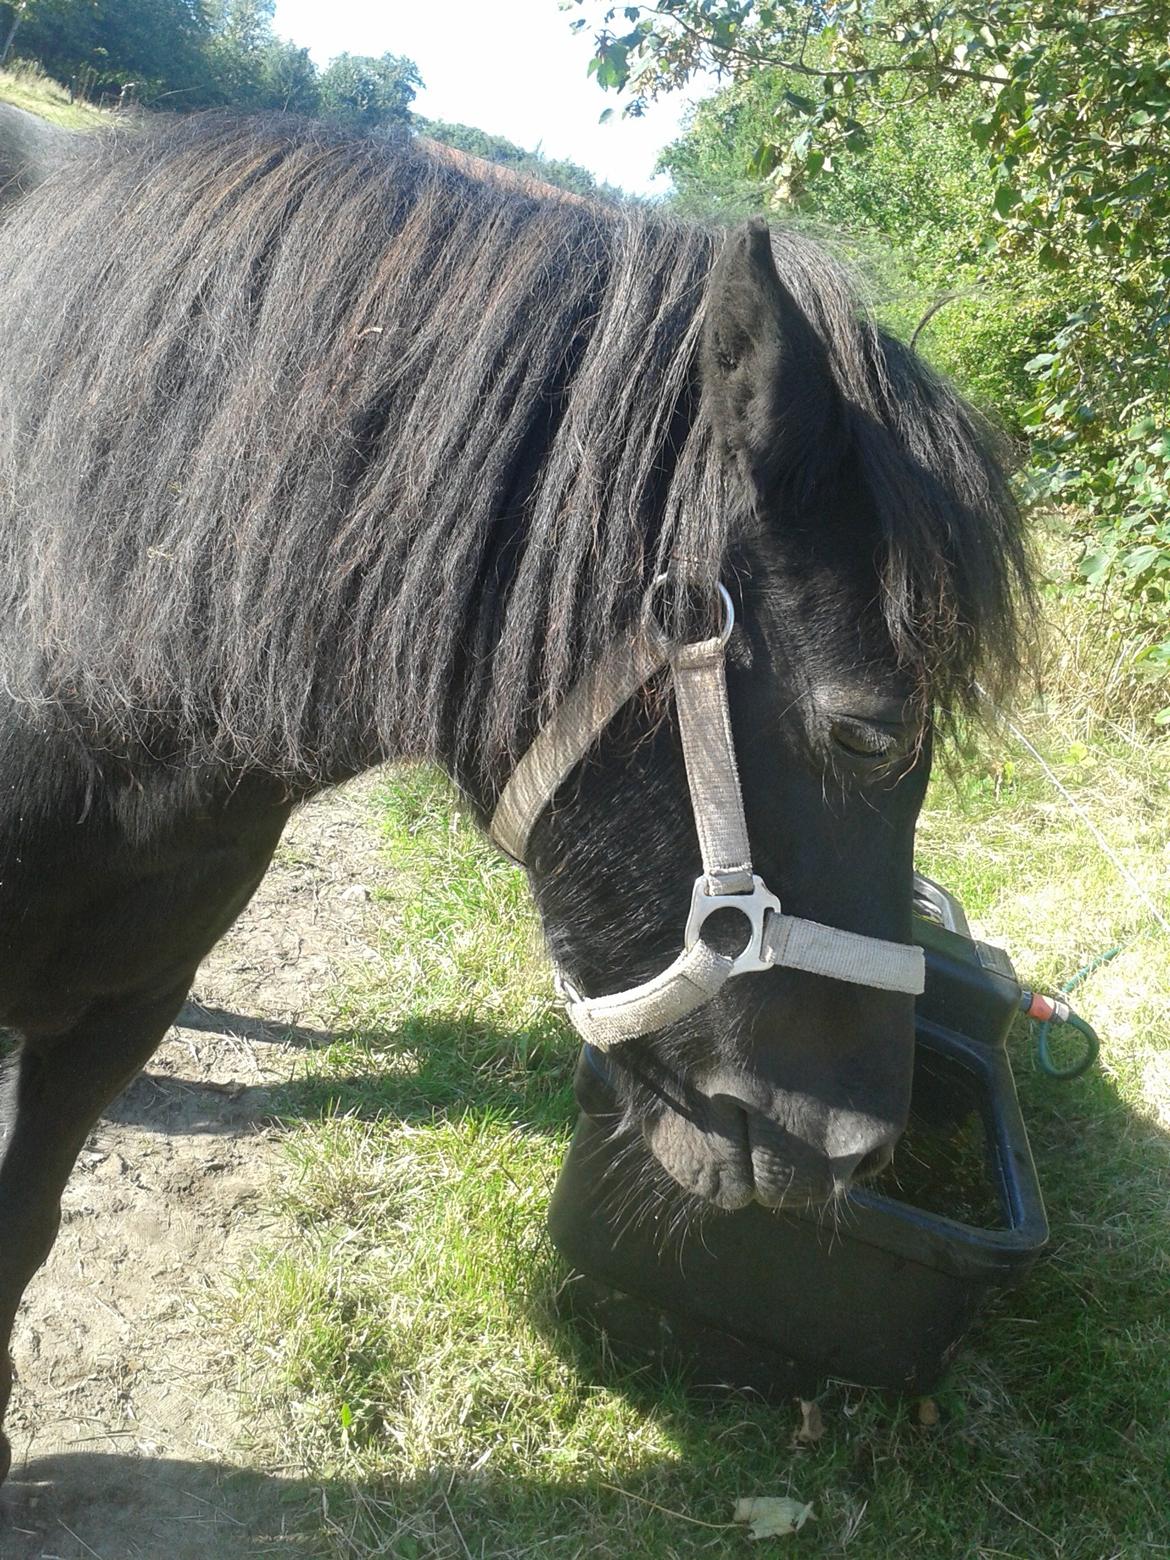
(787, 1084)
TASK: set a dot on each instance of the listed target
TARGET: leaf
(856, 137)
(763, 161)
(812, 1425)
(1006, 197)
(773, 1516)
(1141, 559)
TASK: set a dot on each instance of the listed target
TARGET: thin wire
(1083, 813)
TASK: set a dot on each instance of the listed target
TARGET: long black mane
(317, 449)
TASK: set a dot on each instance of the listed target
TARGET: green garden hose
(1046, 1011)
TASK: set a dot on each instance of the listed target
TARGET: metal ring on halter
(728, 612)
(724, 596)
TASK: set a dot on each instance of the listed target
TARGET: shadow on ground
(76, 1505)
(1105, 1169)
(219, 1021)
(422, 1070)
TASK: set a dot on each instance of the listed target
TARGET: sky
(510, 67)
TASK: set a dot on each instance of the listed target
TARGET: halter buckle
(754, 905)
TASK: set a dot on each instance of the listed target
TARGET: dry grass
(1093, 681)
(27, 87)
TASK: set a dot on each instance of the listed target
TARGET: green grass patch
(402, 1344)
(29, 88)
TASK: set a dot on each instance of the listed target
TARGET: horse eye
(858, 740)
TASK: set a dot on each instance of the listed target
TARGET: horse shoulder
(117, 882)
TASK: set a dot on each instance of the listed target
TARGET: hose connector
(1044, 1012)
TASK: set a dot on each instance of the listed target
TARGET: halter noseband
(727, 880)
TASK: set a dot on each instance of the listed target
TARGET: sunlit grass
(27, 87)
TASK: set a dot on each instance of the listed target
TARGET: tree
(180, 54)
(244, 24)
(1067, 113)
(250, 67)
(20, 10)
(560, 171)
(156, 44)
(369, 93)
(894, 209)
(288, 78)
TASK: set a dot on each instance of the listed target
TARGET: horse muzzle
(793, 1152)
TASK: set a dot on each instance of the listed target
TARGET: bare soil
(125, 1423)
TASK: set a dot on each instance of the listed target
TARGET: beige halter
(727, 880)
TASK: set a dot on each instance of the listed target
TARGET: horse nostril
(874, 1162)
(861, 1167)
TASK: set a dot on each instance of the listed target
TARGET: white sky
(511, 67)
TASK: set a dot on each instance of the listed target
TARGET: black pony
(319, 451)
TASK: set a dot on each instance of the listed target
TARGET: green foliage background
(498, 149)
(1015, 154)
(907, 210)
(173, 54)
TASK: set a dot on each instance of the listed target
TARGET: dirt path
(126, 1435)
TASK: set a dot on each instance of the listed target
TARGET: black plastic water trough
(882, 1293)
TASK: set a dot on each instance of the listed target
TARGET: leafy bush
(369, 93)
(1063, 114)
(906, 210)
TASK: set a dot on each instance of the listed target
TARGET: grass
(402, 1346)
(29, 88)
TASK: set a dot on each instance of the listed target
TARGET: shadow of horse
(219, 1021)
(76, 1505)
(448, 1068)
(1007, 1406)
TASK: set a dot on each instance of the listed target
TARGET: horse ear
(765, 371)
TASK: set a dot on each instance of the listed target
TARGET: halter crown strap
(727, 880)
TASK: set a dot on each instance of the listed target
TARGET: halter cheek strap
(727, 880)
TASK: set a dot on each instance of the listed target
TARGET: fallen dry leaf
(812, 1426)
(773, 1516)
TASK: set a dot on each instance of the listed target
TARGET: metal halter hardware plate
(754, 905)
